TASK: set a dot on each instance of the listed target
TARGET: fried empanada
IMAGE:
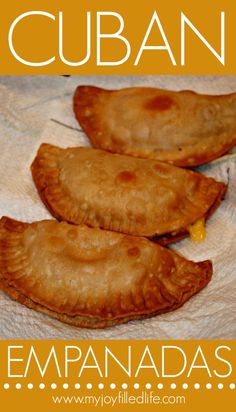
(183, 128)
(91, 277)
(121, 193)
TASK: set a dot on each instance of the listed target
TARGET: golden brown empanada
(122, 193)
(183, 128)
(91, 277)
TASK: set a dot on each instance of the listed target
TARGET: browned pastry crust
(174, 237)
(121, 193)
(183, 128)
(93, 278)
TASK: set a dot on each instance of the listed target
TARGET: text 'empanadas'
(121, 193)
(183, 128)
(91, 277)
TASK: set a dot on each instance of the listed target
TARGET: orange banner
(118, 37)
(175, 375)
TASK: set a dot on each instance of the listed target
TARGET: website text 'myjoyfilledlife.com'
(122, 398)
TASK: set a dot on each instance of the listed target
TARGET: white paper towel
(34, 109)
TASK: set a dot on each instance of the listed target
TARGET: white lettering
(95, 366)
(52, 354)
(81, 62)
(10, 360)
(116, 35)
(221, 56)
(155, 18)
(68, 359)
(108, 352)
(163, 361)
(224, 361)
(204, 366)
(10, 38)
(150, 366)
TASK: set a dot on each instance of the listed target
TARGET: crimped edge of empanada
(45, 173)
(10, 227)
(93, 323)
(175, 237)
(86, 110)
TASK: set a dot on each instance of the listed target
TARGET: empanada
(91, 277)
(121, 193)
(183, 128)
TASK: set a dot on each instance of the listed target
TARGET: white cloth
(30, 107)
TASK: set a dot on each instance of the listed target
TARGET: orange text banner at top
(118, 37)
